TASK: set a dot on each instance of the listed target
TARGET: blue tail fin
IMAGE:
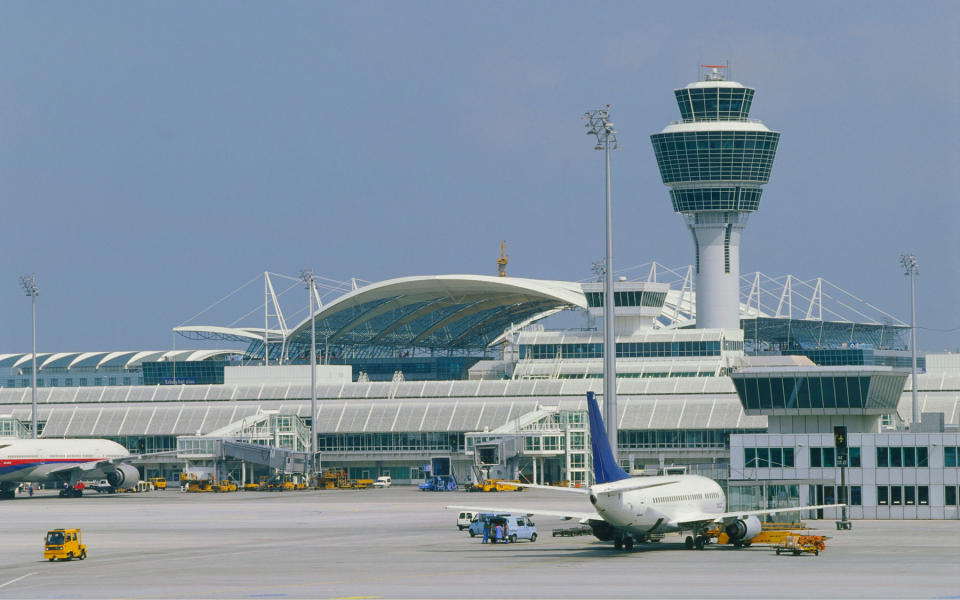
(605, 468)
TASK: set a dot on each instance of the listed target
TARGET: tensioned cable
(259, 306)
(255, 277)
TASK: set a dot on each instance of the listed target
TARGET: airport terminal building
(738, 377)
(521, 412)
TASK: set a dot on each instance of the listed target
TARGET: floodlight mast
(910, 268)
(599, 125)
(308, 278)
(29, 283)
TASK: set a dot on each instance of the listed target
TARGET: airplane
(632, 510)
(63, 461)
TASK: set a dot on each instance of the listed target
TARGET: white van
(464, 519)
(383, 481)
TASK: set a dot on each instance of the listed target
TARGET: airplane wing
(639, 484)
(772, 511)
(717, 517)
(61, 469)
(51, 469)
(552, 488)
(109, 462)
(580, 516)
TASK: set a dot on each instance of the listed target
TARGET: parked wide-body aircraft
(631, 509)
(62, 461)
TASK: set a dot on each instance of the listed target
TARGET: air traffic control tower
(715, 161)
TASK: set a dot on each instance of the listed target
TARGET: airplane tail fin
(605, 468)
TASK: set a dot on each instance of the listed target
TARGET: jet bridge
(272, 441)
(208, 457)
(546, 444)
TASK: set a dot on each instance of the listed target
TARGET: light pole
(599, 125)
(29, 283)
(910, 268)
(308, 278)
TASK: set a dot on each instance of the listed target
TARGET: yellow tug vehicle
(63, 544)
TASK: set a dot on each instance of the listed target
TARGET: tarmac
(402, 543)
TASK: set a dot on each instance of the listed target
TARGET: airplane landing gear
(688, 543)
(623, 542)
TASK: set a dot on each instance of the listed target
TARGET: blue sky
(155, 156)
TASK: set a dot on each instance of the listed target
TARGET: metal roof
(127, 359)
(438, 311)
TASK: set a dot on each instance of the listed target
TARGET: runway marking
(17, 579)
(355, 598)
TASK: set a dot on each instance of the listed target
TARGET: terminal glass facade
(814, 392)
(624, 350)
(440, 441)
(631, 439)
(203, 372)
(858, 356)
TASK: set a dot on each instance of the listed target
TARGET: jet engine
(124, 474)
(743, 530)
(602, 530)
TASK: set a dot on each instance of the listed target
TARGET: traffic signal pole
(843, 454)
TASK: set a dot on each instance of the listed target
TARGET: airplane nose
(593, 500)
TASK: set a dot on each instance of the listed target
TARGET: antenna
(714, 74)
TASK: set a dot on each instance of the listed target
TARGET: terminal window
(853, 456)
(823, 457)
(950, 495)
(950, 454)
(907, 495)
(854, 494)
(768, 457)
(895, 456)
(855, 497)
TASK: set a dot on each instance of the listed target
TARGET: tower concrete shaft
(715, 161)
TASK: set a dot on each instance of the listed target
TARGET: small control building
(890, 474)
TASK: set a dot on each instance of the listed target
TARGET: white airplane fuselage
(660, 509)
(33, 460)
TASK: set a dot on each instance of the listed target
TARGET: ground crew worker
(498, 533)
(486, 531)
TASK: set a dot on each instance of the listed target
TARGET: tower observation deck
(715, 162)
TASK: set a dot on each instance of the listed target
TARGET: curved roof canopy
(128, 359)
(438, 312)
(230, 334)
